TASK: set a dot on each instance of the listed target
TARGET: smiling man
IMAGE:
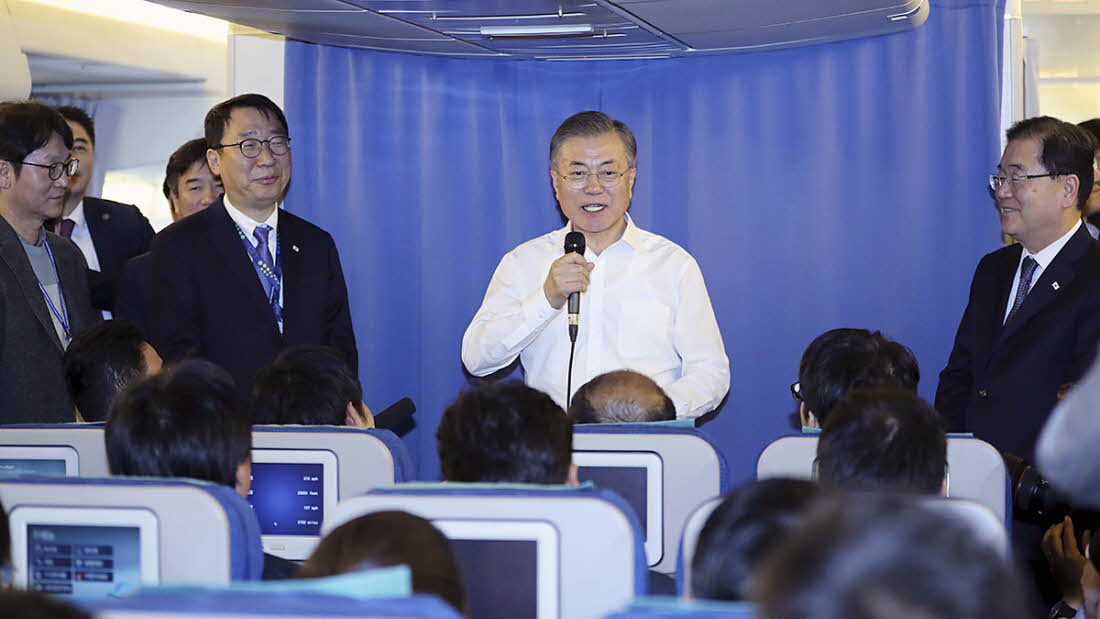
(644, 304)
(44, 297)
(241, 280)
(1033, 320)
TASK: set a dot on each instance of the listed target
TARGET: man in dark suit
(43, 288)
(108, 233)
(243, 279)
(1033, 320)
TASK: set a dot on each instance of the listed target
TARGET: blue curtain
(820, 187)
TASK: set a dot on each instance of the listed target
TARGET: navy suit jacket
(1001, 382)
(207, 300)
(119, 232)
(132, 300)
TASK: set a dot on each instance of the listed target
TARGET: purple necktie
(262, 251)
(1027, 269)
(66, 228)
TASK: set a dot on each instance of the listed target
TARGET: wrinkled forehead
(1022, 154)
(606, 148)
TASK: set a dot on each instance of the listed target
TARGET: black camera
(1034, 500)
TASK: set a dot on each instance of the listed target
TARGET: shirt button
(982, 393)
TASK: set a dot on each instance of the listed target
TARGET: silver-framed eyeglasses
(279, 145)
(996, 181)
(57, 169)
(578, 179)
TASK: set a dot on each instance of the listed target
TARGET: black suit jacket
(207, 300)
(1001, 382)
(119, 232)
(132, 300)
(32, 380)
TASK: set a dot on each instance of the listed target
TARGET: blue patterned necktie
(1027, 269)
(271, 284)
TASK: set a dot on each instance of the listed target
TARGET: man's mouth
(267, 180)
(593, 208)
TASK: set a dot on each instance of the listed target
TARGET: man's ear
(213, 159)
(244, 477)
(7, 174)
(352, 418)
(571, 478)
(1070, 186)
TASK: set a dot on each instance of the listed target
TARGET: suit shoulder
(115, 208)
(303, 228)
(189, 228)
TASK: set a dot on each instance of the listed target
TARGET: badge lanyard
(63, 315)
(275, 274)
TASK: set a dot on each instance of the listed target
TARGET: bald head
(622, 396)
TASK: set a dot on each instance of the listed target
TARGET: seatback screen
(628, 482)
(22, 467)
(501, 577)
(288, 498)
(83, 561)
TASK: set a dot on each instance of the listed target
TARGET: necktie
(1027, 269)
(267, 275)
(66, 228)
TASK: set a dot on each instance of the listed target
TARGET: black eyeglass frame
(260, 145)
(57, 169)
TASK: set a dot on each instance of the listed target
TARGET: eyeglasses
(996, 181)
(251, 147)
(579, 179)
(57, 169)
(796, 392)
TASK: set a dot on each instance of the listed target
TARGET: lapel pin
(295, 248)
(1055, 286)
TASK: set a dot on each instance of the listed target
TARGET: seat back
(52, 441)
(180, 531)
(662, 471)
(674, 608)
(562, 552)
(977, 471)
(689, 539)
(268, 605)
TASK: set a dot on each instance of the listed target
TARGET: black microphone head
(574, 242)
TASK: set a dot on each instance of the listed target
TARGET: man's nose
(208, 196)
(592, 184)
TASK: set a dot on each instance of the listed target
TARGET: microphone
(395, 415)
(574, 242)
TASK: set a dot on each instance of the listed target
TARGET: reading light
(536, 31)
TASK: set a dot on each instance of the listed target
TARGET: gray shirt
(47, 276)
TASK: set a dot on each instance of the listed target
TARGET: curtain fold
(819, 187)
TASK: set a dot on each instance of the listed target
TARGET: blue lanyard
(272, 272)
(63, 315)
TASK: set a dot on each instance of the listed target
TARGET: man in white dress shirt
(644, 304)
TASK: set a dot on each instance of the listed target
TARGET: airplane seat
(676, 608)
(268, 605)
(690, 539)
(378, 457)
(85, 440)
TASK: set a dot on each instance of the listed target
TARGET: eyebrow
(608, 162)
(1018, 166)
(78, 140)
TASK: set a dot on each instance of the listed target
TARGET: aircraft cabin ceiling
(567, 29)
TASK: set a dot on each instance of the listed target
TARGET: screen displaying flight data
(288, 497)
(22, 467)
(83, 561)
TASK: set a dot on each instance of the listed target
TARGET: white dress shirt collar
(248, 225)
(77, 216)
(632, 235)
(1046, 255)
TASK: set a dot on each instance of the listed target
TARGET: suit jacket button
(982, 393)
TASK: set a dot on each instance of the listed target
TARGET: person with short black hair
(506, 432)
(841, 360)
(387, 538)
(871, 556)
(44, 297)
(101, 361)
(883, 439)
(747, 525)
(622, 396)
(189, 185)
(108, 233)
(309, 385)
(17, 604)
(186, 421)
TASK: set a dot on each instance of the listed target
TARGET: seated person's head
(622, 396)
(841, 360)
(747, 525)
(384, 539)
(16, 604)
(870, 556)
(186, 421)
(883, 439)
(309, 385)
(506, 432)
(189, 184)
(101, 360)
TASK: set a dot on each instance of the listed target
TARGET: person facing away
(101, 361)
(309, 385)
(244, 279)
(186, 421)
(621, 396)
(108, 233)
(644, 304)
(44, 297)
(841, 360)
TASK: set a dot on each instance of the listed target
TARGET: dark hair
(387, 538)
(99, 362)
(26, 126)
(883, 439)
(217, 119)
(180, 162)
(592, 124)
(186, 421)
(840, 360)
(506, 432)
(747, 525)
(1066, 149)
(622, 396)
(80, 117)
(1092, 126)
(871, 556)
(18, 604)
(308, 385)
